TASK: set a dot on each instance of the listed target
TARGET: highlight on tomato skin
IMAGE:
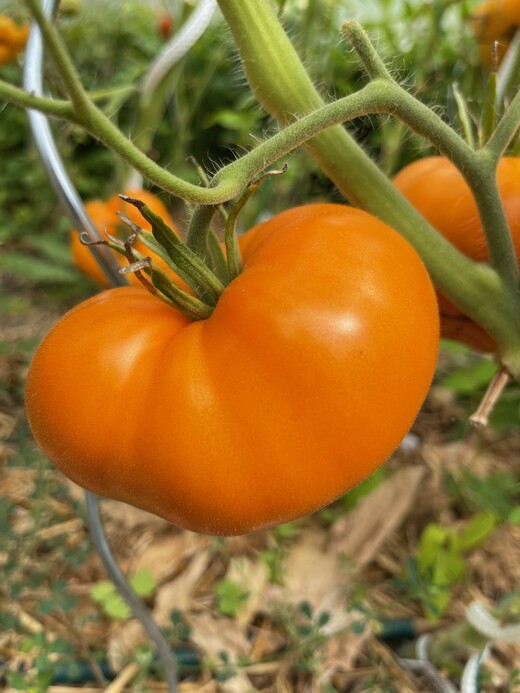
(302, 382)
(438, 190)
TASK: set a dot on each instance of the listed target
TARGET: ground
(334, 602)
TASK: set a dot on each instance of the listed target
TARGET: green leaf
(449, 568)
(230, 596)
(496, 493)
(478, 528)
(33, 269)
(17, 680)
(514, 516)
(143, 583)
(470, 379)
(116, 608)
(506, 412)
(433, 538)
(352, 498)
(102, 591)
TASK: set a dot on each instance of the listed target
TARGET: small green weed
(439, 562)
(113, 605)
(230, 596)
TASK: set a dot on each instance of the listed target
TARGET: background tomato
(436, 188)
(305, 378)
(104, 217)
(12, 39)
(495, 20)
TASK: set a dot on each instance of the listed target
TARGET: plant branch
(358, 39)
(55, 108)
(482, 179)
(197, 237)
(478, 169)
(506, 129)
(60, 57)
(282, 86)
(278, 75)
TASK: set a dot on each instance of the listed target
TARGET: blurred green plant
(439, 564)
(113, 605)
(230, 596)
(497, 493)
(468, 380)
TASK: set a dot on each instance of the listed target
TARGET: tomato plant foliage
(304, 379)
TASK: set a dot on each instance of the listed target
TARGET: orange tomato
(12, 39)
(495, 21)
(105, 219)
(302, 382)
(437, 189)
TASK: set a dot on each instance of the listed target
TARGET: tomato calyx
(234, 260)
(155, 280)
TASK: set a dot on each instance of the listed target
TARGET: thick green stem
(106, 132)
(60, 57)
(482, 179)
(284, 89)
(197, 238)
(479, 171)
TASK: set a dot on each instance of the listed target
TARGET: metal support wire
(139, 609)
(42, 133)
(44, 139)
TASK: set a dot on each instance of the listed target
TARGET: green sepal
(180, 299)
(187, 264)
(217, 258)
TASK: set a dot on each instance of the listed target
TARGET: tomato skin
(438, 190)
(495, 21)
(13, 39)
(301, 383)
(104, 217)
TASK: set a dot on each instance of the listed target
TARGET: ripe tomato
(12, 39)
(436, 188)
(104, 217)
(304, 379)
(495, 21)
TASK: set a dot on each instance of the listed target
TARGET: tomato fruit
(438, 190)
(303, 380)
(495, 21)
(12, 39)
(104, 217)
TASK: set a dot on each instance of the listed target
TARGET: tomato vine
(487, 293)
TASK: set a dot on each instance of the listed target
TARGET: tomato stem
(136, 265)
(508, 74)
(281, 84)
(61, 59)
(506, 129)
(197, 237)
(480, 418)
(356, 36)
(187, 263)
(180, 299)
(464, 117)
(489, 110)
